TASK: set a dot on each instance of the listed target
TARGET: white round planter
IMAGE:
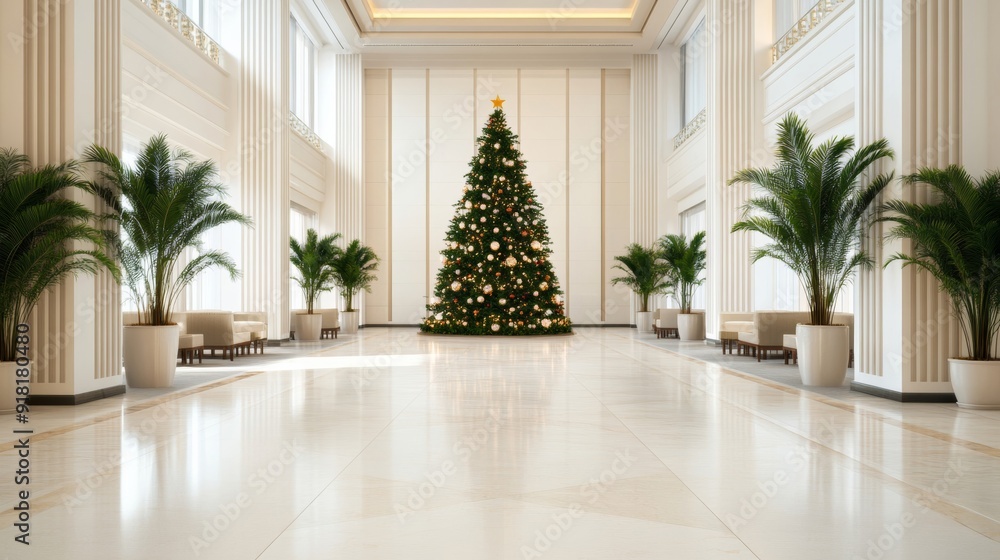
(976, 383)
(824, 352)
(348, 322)
(310, 327)
(150, 355)
(8, 383)
(691, 326)
(644, 321)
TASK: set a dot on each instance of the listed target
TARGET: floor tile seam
(856, 409)
(654, 454)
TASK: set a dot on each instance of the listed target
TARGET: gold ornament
(498, 103)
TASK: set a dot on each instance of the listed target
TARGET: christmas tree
(496, 276)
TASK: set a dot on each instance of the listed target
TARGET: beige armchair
(665, 322)
(220, 331)
(736, 322)
(769, 329)
(331, 322)
(254, 322)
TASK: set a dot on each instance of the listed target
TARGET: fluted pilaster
(264, 158)
(72, 95)
(911, 68)
(730, 128)
(347, 181)
(644, 148)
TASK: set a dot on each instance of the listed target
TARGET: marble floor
(593, 446)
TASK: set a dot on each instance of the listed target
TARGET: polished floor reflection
(593, 446)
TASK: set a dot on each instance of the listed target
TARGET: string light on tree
(507, 285)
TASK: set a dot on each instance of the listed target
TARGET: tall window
(303, 70)
(204, 14)
(787, 13)
(693, 220)
(694, 73)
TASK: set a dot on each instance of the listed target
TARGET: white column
(731, 128)
(911, 49)
(264, 133)
(645, 130)
(66, 64)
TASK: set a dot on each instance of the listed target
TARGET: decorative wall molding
(177, 19)
(303, 130)
(809, 22)
(696, 125)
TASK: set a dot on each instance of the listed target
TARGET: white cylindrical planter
(150, 355)
(348, 322)
(824, 353)
(8, 383)
(644, 321)
(976, 383)
(310, 327)
(691, 326)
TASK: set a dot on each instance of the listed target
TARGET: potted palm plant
(314, 260)
(646, 275)
(164, 205)
(957, 240)
(354, 270)
(813, 205)
(687, 261)
(45, 237)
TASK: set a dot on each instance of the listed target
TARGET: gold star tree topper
(498, 102)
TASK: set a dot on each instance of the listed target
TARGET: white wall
(420, 129)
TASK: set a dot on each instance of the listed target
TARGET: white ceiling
(470, 27)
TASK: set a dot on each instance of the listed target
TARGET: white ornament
(534, 294)
(482, 207)
(496, 146)
(512, 309)
(502, 178)
(534, 222)
(489, 257)
(495, 245)
(468, 204)
(456, 285)
(486, 196)
(543, 286)
(487, 289)
(548, 312)
(458, 272)
(511, 261)
(461, 225)
(496, 230)
(495, 327)
(469, 301)
(503, 301)
(519, 281)
(473, 227)
(479, 299)
(483, 219)
(519, 219)
(546, 323)
(536, 245)
(482, 160)
(439, 316)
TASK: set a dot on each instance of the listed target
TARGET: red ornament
(509, 209)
